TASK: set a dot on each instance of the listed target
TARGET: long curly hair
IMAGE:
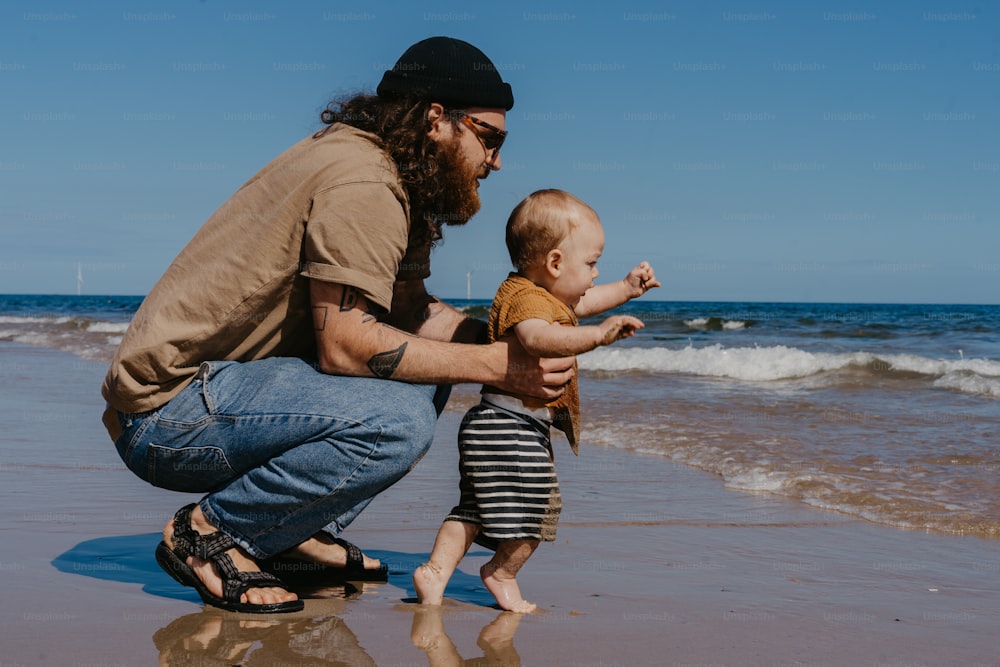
(402, 125)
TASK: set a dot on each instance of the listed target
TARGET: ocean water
(890, 413)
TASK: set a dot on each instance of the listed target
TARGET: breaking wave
(780, 362)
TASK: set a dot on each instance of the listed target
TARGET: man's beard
(458, 198)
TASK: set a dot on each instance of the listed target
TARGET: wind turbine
(79, 278)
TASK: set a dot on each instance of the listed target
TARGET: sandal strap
(185, 537)
(236, 582)
(354, 555)
(209, 547)
(187, 542)
(235, 586)
(213, 548)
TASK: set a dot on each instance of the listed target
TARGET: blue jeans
(282, 450)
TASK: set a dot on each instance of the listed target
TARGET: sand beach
(655, 564)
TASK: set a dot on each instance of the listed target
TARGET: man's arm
(350, 340)
(417, 312)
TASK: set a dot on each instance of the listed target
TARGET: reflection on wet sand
(317, 636)
(496, 640)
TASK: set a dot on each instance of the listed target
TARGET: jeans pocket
(192, 469)
(129, 443)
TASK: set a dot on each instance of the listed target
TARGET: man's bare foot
(504, 588)
(205, 571)
(429, 582)
(320, 548)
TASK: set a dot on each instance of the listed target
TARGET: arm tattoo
(349, 299)
(319, 318)
(384, 364)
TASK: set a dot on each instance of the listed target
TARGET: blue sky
(752, 151)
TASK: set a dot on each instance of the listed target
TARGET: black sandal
(213, 548)
(307, 572)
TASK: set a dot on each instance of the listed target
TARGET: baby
(510, 497)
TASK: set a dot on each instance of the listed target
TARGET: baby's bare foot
(429, 584)
(504, 588)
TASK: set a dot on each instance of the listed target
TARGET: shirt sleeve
(356, 235)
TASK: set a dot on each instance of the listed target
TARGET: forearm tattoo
(319, 318)
(348, 299)
(384, 364)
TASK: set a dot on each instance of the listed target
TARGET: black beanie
(449, 71)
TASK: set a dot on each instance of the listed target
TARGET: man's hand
(533, 376)
(350, 340)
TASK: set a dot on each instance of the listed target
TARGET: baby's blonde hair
(540, 223)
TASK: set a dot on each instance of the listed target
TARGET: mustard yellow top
(518, 299)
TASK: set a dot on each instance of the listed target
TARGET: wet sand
(655, 564)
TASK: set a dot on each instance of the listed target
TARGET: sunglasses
(491, 140)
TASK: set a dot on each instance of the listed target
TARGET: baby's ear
(553, 262)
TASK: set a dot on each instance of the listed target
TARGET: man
(288, 361)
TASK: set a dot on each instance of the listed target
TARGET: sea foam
(740, 363)
(108, 327)
(780, 362)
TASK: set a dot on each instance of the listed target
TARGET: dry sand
(655, 564)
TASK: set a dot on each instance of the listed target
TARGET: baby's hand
(617, 327)
(640, 280)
